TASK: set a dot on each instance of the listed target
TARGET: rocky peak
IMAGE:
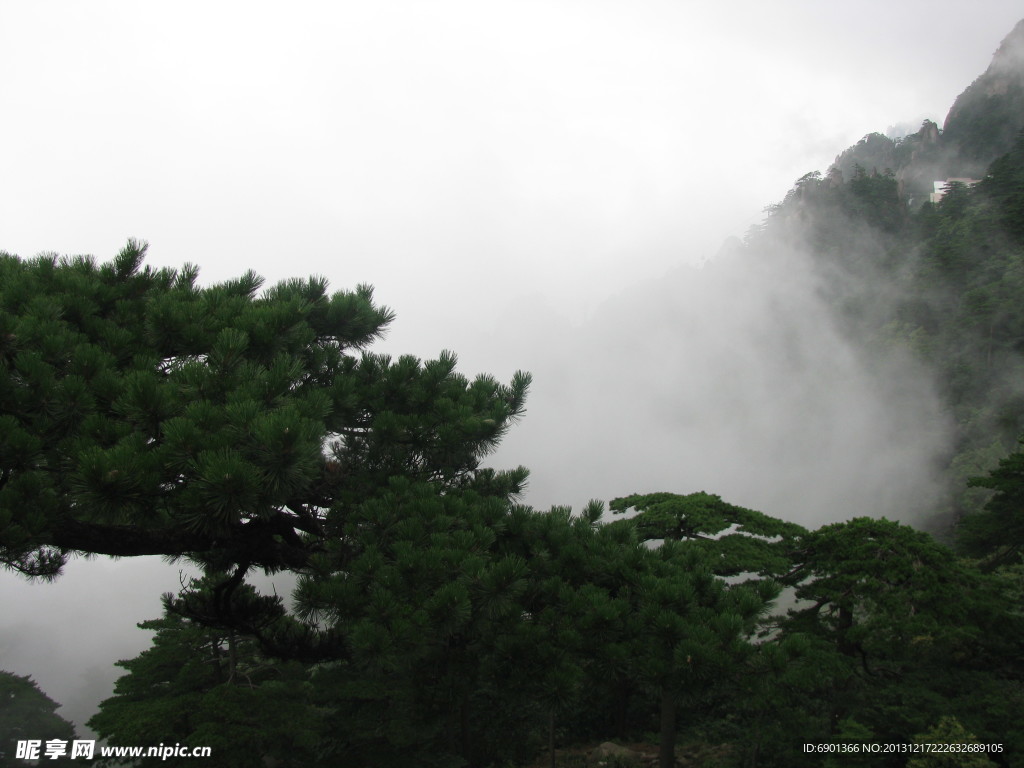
(1009, 57)
(929, 133)
(986, 118)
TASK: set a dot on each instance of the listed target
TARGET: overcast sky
(514, 178)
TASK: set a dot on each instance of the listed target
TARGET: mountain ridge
(980, 126)
(938, 280)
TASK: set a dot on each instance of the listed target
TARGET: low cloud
(733, 379)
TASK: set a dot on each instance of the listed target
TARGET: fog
(537, 186)
(732, 379)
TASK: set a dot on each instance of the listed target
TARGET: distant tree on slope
(26, 713)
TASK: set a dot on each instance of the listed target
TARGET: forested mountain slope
(937, 277)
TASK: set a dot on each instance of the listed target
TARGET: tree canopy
(26, 713)
(146, 415)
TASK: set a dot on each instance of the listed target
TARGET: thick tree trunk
(667, 747)
(839, 701)
(621, 708)
(465, 736)
(843, 629)
(551, 736)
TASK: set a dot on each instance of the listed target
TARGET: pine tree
(913, 633)
(997, 532)
(143, 414)
(694, 629)
(28, 714)
(213, 687)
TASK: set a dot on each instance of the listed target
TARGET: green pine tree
(199, 686)
(28, 714)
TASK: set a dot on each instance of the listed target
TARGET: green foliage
(849, 731)
(998, 531)
(692, 629)
(26, 713)
(202, 686)
(618, 761)
(1004, 186)
(469, 631)
(143, 414)
(907, 633)
(740, 540)
(988, 115)
(461, 630)
(948, 731)
(875, 199)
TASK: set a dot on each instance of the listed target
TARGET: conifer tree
(915, 634)
(997, 532)
(742, 541)
(213, 687)
(143, 414)
(28, 714)
(450, 631)
(692, 627)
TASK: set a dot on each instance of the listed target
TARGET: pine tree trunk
(551, 736)
(464, 731)
(667, 747)
(755, 751)
(232, 656)
(843, 629)
(621, 708)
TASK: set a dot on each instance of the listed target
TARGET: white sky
(475, 161)
(454, 154)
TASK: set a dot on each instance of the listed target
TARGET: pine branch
(255, 537)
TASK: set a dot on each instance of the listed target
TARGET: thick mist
(733, 378)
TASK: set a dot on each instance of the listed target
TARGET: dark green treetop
(208, 686)
(915, 632)
(878, 586)
(691, 627)
(740, 540)
(26, 713)
(142, 414)
(997, 532)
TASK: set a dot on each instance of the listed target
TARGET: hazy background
(529, 184)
